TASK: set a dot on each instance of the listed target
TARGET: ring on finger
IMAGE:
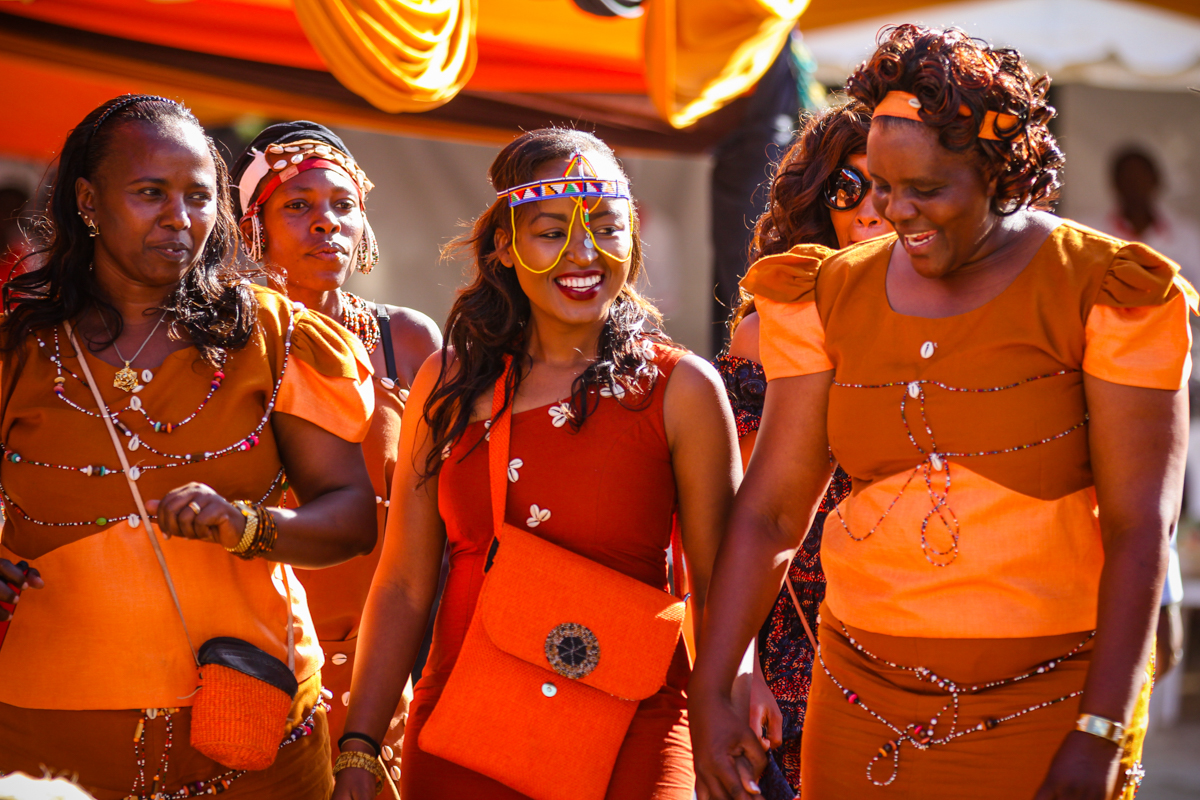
(194, 506)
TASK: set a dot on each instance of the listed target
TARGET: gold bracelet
(248, 533)
(352, 759)
(1100, 726)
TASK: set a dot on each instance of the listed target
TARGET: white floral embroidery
(537, 516)
(560, 413)
(513, 466)
(616, 390)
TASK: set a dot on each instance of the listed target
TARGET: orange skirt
(1007, 762)
(98, 746)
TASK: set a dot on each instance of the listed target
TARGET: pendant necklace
(126, 378)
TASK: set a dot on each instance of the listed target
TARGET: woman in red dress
(616, 435)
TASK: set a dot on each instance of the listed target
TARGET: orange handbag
(558, 655)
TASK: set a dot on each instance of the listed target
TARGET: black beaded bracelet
(351, 736)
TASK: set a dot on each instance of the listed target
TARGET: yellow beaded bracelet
(251, 529)
(352, 759)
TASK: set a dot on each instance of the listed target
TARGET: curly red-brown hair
(946, 70)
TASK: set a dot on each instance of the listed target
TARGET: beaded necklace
(936, 460)
(921, 735)
(135, 441)
(358, 317)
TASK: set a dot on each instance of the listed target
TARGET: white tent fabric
(1109, 43)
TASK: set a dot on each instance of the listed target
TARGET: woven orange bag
(558, 655)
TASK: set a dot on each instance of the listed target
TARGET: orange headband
(907, 106)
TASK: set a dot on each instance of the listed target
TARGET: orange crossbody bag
(558, 655)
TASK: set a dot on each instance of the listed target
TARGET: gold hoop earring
(93, 231)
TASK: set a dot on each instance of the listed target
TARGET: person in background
(1007, 390)
(306, 224)
(1140, 216)
(819, 195)
(214, 388)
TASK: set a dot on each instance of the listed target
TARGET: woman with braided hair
(1007, 390)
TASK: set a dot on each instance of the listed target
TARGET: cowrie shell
(280, 164)
(296, 159)
(147, 376)
(914, 389)
(135, 403)
(927, 349)
(914, 102)
(936, 461)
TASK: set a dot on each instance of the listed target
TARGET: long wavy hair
(946, 70)
(489, 319)
(211, 307)
(796, 212)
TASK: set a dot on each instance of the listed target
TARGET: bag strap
(385, 336)
(137, 495)
(498, 442)
(787, 579)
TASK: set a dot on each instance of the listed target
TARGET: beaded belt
(921, 735)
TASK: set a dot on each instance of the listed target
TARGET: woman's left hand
(1084, 768)
(196, 511)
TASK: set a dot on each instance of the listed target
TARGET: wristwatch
(1101, 727)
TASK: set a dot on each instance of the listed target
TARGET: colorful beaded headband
(577, 188)
(906, 106)
(284, 161)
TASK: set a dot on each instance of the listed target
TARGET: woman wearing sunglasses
(819, 195)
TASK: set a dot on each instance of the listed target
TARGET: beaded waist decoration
(135, 441)
(923, 735)
(150, 790)
(936, 460)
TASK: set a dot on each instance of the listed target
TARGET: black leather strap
(385, 336)
(354, 736)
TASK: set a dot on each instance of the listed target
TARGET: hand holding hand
(729, 756)
(196, 511)
(752, 695)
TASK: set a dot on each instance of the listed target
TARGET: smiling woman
(1007, 391)
(152, 400)
(592, 435)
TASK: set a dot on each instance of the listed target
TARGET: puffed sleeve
(1137, 330)
(327, 380)
(791, 339)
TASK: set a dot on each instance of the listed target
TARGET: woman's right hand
(17, 575)
(354, 783)
(729, 756)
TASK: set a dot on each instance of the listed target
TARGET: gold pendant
(125, 379)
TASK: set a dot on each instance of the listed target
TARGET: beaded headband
(284, 161)
(906, 106)
(125, 102)
(577, 188)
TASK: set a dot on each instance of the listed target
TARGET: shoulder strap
(137, 495)
(385, 336)
(498, 439)
(800, 611)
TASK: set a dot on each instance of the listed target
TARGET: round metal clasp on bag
(572, 650)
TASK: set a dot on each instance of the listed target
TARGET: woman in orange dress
(214, 387)
(1007, 391)
(615, 435)
(819, 195)
(312, 235)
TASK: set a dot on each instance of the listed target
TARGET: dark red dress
(606, 492)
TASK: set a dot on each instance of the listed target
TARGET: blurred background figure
(20, 786)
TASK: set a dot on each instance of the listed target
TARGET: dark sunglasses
(846, 188)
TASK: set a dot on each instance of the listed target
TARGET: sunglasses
(846, 188)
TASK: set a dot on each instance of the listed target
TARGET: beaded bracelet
(352, 759)
(250, 514)
(263, 538)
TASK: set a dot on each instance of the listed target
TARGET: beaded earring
(367, 252)
(256, 243)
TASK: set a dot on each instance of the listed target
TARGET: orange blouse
(103, 633)
(973, 512)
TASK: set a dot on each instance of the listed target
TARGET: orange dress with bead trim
(103, 635)
(970, 543)
(606, 492)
